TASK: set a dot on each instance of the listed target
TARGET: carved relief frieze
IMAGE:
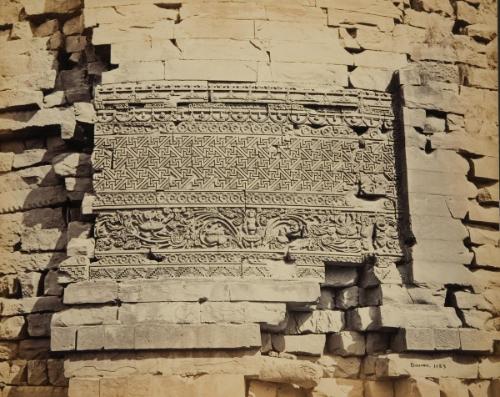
(238, 180)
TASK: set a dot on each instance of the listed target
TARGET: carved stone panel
(241, 180)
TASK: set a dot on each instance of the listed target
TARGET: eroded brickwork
(94, 90)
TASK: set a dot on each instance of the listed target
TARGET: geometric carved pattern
(234, 180)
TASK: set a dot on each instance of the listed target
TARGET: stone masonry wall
(423, 326)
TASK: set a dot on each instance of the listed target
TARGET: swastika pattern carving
(235, 180)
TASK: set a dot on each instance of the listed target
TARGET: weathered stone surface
(171, 291)
(65, 118)
(300, 344)
(8, 350)
(450, 387)
(34, 7)
(483, 215)
(39, 391)
(338, 387)
(243, 312)
(34, 349)
(39, 324)
(83, 387)
(347, 343)
(340, 276)
(264, 291)
(37, 372)
(62, 338)
(378, 388)
(299, 372)
(85, 316)
(304, 73)
(195, 336)
(417, 365)
(485, 167)
(343, 18)
(72, 164)
(381, 8)
(475, 341)
(417, 339)
(316, 322)
(432, 99)
(370, 78)
(489, 194)
(327, 299)
(81, 247)
(347, 298)
(489, 367)
(55, 369)
(168, 312)
(12, 307)
(12, 327)
(415, 387)
(102, 291)
(379, 59)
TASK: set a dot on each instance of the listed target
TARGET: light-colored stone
(331, 387)
(305, 73)
(12, 327)
(90, 338)
(35, 7)
(265, 291)
(206, 28)
(353, 18)
(300, 344)
(416, 387)
(347, 343)
(450, 387)
(171, 291)
(370, 78)
(141, 71)
(212, 70)
(416, 339)
(72, 164)
(102, 291)
(376, 7)
(168, 312)
(13, 98)
(83, 387)
(243, 312)
(379, 388)
(380, 59)
(81, 247)
(196, 336)
(85, 316)
(485, 167)
(299, 372)
(347, 298)
(13, 121)
(62, 338)
(433, 366)
(73, 25)
(316, 322)
(472, 340)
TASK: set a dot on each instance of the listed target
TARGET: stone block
(196, 336)
(428, 272)
(213, 28)
(39, 324)
(327, 299)
(472, 340)
(487, 256)
(243, 312)
(347, 298)
(479, 389)
(12, 327)
(81, 247)
(258, 388)
(331, 387)
(347, 343)
(340, 276)
(76, 316)
(90, 338)
(316, 322)
(63, 338)
(8, 350)
(159, 50)
(212, 70)
(305, 52)
(103, 291)
(483, 215)
(84, 387)
(168, 312)
(118, 337)
(420, 365)
(303, 73)
(370, 78)
(413, 339)
(13, 373)
(379, 388)
(6, 161)
(55, 369)
(372, 7)
(72, 164)
(416, 387)
(37, 372)
(173, 290)
(380, 59)
(238, 11)
(342, 18)
(35, 239)
(432, 99)
(451, 387)
(299, 372)
(446, 339)
(135, 71)
(12, 307)
(204, 49)
(292, 31)
(274, 291)
(311, 344)
(35, 7)
(485, 168)
(377, 342)
(73, 25)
